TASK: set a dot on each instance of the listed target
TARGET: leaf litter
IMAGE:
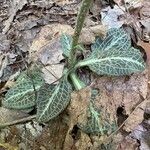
(115, 92)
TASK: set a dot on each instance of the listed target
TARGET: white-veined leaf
(115, 39)
(114, 55)
(66, 41)
(22, 94)
(115, 62)
(52, 100)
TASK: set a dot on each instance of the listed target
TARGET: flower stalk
(79, 25)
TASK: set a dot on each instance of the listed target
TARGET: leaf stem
(79, 24)
(78, 84)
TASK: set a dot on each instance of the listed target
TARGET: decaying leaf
(134, 3)
(8, 115)
(121, 93)
(47, 33)
(136, 117)
(47, 49)
(16, 5)
(3, 65)
(77, 111)
(84, 142)
(110, 17)
(7, 146)
(146, 47)
(89, 34)
(128, 144)
(141, 133)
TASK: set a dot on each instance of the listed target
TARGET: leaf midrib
(22, 93)
(50, 101)
(95, 60)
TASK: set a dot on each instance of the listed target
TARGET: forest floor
(28, 29)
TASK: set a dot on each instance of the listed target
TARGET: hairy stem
(79, 24)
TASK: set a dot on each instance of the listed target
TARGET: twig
(110, 136)
(18, 121)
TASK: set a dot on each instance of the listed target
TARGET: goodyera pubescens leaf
(52, 100)
(98, 121)
(23, 95)
(66, 41)
(114, 55)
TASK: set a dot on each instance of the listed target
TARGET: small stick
(18, 121)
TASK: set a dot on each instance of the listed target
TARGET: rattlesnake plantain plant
(112, 56)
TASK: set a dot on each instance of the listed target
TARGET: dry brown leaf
(77, 111)
(128, 144)
(119, 2)
(136, 117)
(50, 56)
(121, 92)
(46, 35)
(134, 3)
(89, 34)
(46, 48)
(146, 47)
(3, 66)
(8, 115)
(63, 2)
(7, 146)
(112, 17)
(141, 133)
(145, 19)
(84, 142)
(15, 6)
(4, 44)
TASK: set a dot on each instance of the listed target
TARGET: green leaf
(23, 95)
(115, 39)
(52, 100)
(114, 55)
(97, 122)
(66, 41)
(78, 84)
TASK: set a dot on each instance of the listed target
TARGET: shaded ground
(29, 31)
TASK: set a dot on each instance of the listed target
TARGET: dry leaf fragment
(146, 47)
(8, 115)
(136, 117)
(77, 113)
(47, 34)
(128, 144)
(110, 16)
(3, 65)
(15, 6)
(89, 34)
(84, 142)
(46, 48)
